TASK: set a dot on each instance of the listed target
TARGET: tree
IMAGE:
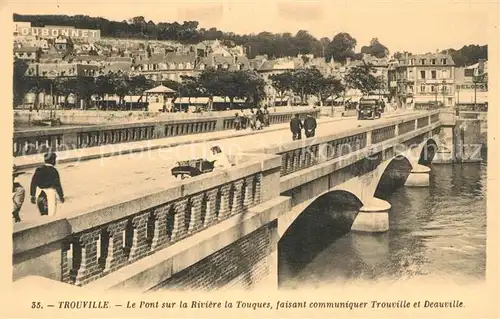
(65, 87)
(38, 85)
(282, 83)
(327, 87)
(20, 87)
(375, 49)
(305, 82)
(361, 77)
(341, 47)
(232, 84)
(468, 54)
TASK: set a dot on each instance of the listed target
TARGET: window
(433, 88)
(410, 74)
(412, 61)
(443, 61)
(445, 88)
(469, 72)
(445, 74)
(422, 74)
(433, 74)
(422, 88)
(202, 66)
(433, 61)
(422, 61)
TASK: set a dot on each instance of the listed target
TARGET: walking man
(296, 127)
(44, 186)
(18, 195)
(310, 126)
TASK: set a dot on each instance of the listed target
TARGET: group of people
(44, 189)
(309, 126)
(255, 120)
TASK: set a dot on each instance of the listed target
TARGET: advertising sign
(54, 32)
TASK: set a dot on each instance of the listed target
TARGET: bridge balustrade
(299, 155)
(62, 138)
(37, 144)
(98, 138)
(406, 127)
(102, 240)
(423, 121)
(434, 118)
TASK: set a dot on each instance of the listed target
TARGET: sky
(417, 26)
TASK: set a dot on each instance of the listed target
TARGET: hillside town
(66, 67)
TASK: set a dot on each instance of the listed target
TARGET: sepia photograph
(168, 147)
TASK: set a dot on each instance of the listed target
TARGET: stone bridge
(222, 229)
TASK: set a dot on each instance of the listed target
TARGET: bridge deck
(94, 183)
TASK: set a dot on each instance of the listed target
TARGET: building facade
(471, 84)
(418, 80)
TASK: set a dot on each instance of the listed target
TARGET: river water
(435, 232)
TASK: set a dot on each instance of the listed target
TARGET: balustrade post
(237, 197)
(224, 210)
(160, 232)
(258, 188)
(195, 221)
(180, 215)
(211, 209)
(289, 161)
(66, 262)
(88, 258)
(249, 195)
(116, 254)
(139, 239)
(296, 160)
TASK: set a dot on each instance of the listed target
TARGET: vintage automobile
(191, 168)
(370, 109)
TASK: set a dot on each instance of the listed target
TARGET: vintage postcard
(247, 159)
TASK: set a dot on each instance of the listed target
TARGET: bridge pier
(373, 217)
(419, 176)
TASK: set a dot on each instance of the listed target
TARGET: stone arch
(394, 175)
(324, 220)
(337, 199)
(429, 151)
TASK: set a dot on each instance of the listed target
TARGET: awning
(160, 90)
(192, 100)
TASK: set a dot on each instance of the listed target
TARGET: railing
(299, 155)
(383, 134)
(434, 118)
(421, 122)
(61, 139)
(103, 240)
(406, 127)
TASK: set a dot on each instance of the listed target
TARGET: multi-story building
(173, 66)
(426, 79)
(471, 84)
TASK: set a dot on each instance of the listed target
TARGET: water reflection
(435, 231)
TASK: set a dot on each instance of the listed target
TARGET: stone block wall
(242, 264)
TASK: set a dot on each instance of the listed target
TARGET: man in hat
(18, 195)
(310, 126)
(44, 186)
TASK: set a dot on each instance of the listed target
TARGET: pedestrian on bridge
(18, 195)
(310, 126)
(296, 127)
(45, 185)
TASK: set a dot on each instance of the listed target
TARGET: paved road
(100, 182)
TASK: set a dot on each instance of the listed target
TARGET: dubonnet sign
(54, 32)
